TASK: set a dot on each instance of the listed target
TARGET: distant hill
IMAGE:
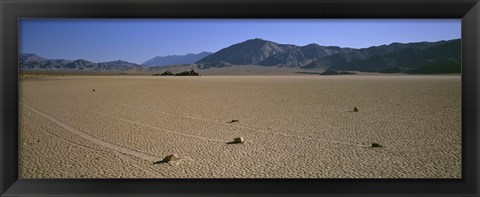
(251, 51)
(28, 61)
(176, 59)
(268, 53)
(30, 57)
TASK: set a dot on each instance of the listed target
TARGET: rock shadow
(160, 162)
(233, 142)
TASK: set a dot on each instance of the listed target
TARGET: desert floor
(293, 126)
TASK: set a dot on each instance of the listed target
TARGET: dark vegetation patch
(186, 73)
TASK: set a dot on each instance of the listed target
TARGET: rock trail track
(73, 143)
(92, 138)
(150, 157)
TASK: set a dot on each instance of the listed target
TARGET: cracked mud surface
(293, 126)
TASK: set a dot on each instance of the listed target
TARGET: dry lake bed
(293, 126)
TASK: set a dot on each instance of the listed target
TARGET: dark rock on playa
(376, 145)
(239, 140)
(188, 73)
(172, 157)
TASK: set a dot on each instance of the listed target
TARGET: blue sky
(138, 40)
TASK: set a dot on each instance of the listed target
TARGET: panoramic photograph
(239, 98)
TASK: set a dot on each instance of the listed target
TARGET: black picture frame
(467, 10)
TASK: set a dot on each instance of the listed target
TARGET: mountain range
(30, 61)
(418, 57)
(411, 58)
